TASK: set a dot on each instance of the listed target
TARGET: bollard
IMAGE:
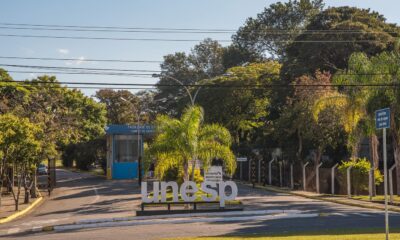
(291, 176)
(349, 182)
(270, 171)
(391, 183)
(371, 183)
(317, 176)
(333, 178)
(304, 175)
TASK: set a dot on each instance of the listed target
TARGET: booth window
(125, 149)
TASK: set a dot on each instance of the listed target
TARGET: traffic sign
(241, 159)
(382, 121)
(382, 118)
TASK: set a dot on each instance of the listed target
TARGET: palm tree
(180, 142)
(356, 118)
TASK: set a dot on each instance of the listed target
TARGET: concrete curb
(188, 215)
(177, 221)
(273, 189)
(23, 212)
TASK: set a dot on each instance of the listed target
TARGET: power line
(77, 59)
(78, 68)
(144, 75)
(166, 31)
(205, 30)
(114, 27)
(175, 40)
(207, 85)
(107, 38)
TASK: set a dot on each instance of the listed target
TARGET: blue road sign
(382, 118)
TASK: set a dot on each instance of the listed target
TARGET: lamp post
(192, 98)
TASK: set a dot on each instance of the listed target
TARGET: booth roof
(129, 129)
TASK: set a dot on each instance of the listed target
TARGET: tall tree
(277, 26)
(204, 61)
(240, 96)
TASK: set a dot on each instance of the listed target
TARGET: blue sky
(226, 14)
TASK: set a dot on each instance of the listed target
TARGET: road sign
(382, 118)
(241, 159)
(382, 121)
(214, 174)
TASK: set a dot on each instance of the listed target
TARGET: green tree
(245, 109)
(276, 27)
(180, 142)
(204, 61)
(333, 35)
(20, 149)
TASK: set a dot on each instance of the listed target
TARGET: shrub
(359, 174)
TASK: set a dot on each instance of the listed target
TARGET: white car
(42, 169)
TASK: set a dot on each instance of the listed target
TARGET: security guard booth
(124, 149)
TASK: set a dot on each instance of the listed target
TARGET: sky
(204, 14)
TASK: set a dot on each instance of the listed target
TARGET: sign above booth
(130, 129)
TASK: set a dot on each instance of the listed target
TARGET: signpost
(214, 174)
(382, 121)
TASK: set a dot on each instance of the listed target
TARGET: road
(81, 196)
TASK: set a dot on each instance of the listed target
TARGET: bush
(359, 174)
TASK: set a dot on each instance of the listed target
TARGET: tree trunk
(193, 169)
(300, 146)
(396, 150)
(186, 172)
(373, 148)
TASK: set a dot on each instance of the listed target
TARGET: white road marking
(182, 221)
(97, 195)
(37, 229)
(13, 230)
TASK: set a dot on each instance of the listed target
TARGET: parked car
(42, 169)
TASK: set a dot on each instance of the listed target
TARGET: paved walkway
(330, 198)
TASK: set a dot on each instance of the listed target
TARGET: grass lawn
(380, 198)
(368, 234)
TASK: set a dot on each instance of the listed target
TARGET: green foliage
(330, 54)
(276, 26)
(359, 173)
(181, 141)
(244, 110)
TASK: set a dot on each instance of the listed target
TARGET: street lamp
(192, 98)
(138, 142)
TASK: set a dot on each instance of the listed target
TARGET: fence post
(249, 170)
(280, 174)
(270, 171)
(304, 175)
(259, 170)
(241, 171)
(371, 183)
(349, 182)
(391, 182)
(333, 178)
(291, 176)
(317, 176)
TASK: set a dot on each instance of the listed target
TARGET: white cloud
(78, 61)
(63, 51)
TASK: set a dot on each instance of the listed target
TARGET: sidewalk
(324, 197)
(7, 207)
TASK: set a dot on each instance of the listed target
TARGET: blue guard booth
(124, 146)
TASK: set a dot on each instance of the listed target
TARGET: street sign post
(382, 121)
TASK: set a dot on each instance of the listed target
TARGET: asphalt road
(82, 196)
